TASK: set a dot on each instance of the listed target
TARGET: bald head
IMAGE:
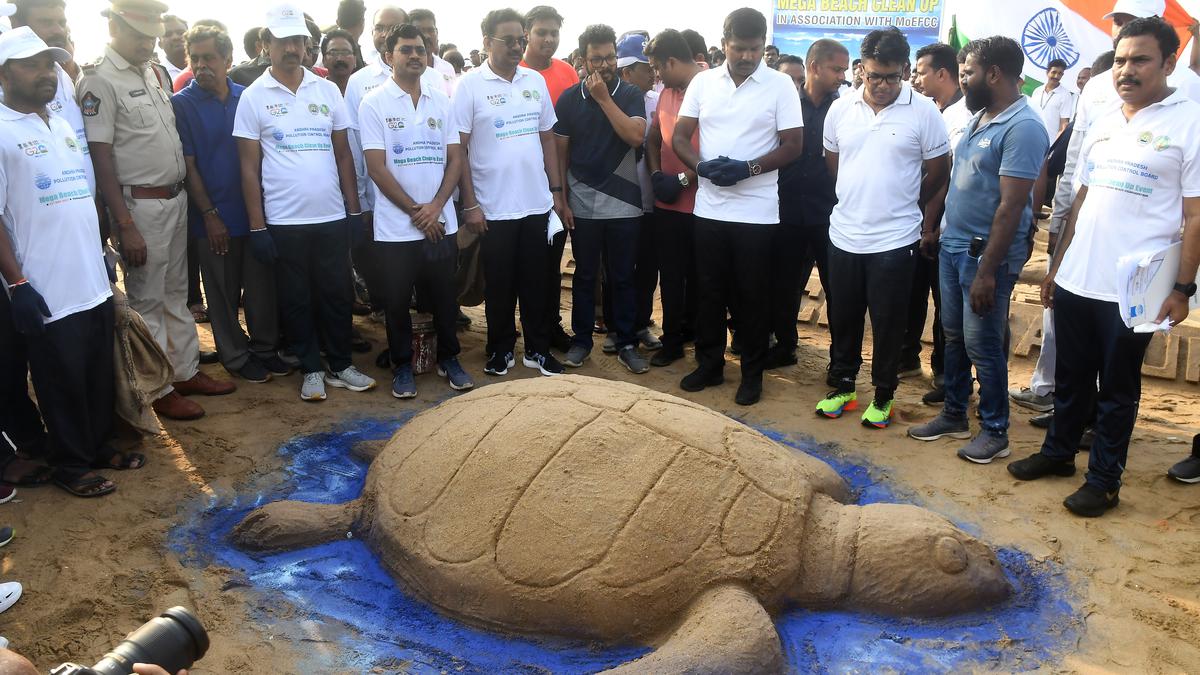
(12, 663)
(385, 19)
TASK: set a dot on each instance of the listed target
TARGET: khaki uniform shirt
(124, 105)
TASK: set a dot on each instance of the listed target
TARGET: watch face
(683, 179)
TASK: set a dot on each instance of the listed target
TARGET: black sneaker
(749, 392)
(1187, 471)
(559, 340)
(935, 396)
(699, 379)
(498, 364)
(666, 356)
(1091, 502)
(254, 371)
(545, 364)
(1043, 420)
(1038, 466)
(275, 365)
(780, 358)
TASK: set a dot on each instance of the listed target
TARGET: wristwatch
(1188, 290)
(683, 179)
(755, 168)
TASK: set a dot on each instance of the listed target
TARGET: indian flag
(1072, 30)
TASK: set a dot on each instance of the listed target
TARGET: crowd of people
(318, 179)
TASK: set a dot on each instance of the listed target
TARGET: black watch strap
(1188, 290)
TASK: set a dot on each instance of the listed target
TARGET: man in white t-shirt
(414, 159)
(509, 186)
(52, 266)
(1053, 102)
(298, 179)
(1140, 165)
(751, 124)
(361, 83)
(888, 149)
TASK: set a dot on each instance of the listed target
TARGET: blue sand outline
(346, 592)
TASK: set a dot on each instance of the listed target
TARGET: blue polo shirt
(602, 168)
(1013, 144)
(205, 127)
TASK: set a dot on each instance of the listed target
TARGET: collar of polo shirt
(758, 74)
(485, 70)
(309, 78)
(398, 93)
(1003, 117)
(905, 97)
(616, 86)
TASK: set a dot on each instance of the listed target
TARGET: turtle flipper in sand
(603, 510)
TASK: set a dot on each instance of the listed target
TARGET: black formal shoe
(666, 356)
(384, 360)
(1038, 466)
(209, 358)
(749, 392)
(699, 379)
(1043, 420)
(935, 396)
(780, 358)
(275, 365)
(1091, 502)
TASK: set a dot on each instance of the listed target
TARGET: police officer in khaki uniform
(139, 173)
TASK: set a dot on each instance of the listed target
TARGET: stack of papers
(1146, 279)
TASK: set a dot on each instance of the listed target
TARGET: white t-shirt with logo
(741, 122)
(880, 161)
(505, 121)
(414, 140)
(1137, 172)
(299, 173)
(359, 85)
(49, 212)
(1053, 106)
(65, 106)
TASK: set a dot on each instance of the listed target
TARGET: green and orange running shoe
(837, 402)
(878, 416)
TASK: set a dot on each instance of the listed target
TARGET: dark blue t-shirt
(205, 127)
(602, 168)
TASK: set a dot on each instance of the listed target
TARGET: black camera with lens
(174, 640)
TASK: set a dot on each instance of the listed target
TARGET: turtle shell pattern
(586, 507)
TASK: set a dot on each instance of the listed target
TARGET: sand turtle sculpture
(589, 508)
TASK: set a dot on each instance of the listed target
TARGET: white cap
(1138, 9)
(22, 43)
(286, 20)
(7, 9)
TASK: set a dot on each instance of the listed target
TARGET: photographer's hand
(151, 669)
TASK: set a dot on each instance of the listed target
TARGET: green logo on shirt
(1145, 138)
(1162, 143)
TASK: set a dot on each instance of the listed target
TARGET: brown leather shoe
(203, 385)
(174, 406)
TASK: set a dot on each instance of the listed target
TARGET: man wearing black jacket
(806, 198)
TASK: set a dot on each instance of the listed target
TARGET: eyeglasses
(890, 78)
(598, 61)
(409, 50)
(339, 53)
(512, 42)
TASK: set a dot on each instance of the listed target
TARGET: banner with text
(799, 23)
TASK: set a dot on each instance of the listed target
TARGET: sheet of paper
(553, 227)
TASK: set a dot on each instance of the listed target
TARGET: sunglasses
(409, 50)
(512, 42)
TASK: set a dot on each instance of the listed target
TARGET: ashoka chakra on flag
(1045, 39)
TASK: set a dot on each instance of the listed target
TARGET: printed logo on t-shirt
(433, 124)
(497, 99)
(278, 135)
(398, 149)
(1145, 138)
(318, 109)
(1162, 143)
(985, 143)
(34, 148)
(55, 106)
(499, 124)
(527, 94)
(394, 123)
(72, 144)
(277, 109)
(42, 181)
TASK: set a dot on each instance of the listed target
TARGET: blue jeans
(974, 339)
(615, 242)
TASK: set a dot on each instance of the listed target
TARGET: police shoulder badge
(89, 105)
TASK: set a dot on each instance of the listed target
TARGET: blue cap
(631, 50)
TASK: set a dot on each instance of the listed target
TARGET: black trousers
(645, 278)
(514, 264)
(403, 264)
(554, 283)
(674, 244)
(72, 369)
(366, 262)
(1093, 342)
(794, 252)
(19, 417)
(195, 297)
(733, 267)
(315, 292)
(878, 284)
(925, 283)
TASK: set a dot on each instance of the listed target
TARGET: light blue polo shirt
(1013, 144)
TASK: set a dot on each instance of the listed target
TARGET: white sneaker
(350, 379)
(313, 388)
(10, 593)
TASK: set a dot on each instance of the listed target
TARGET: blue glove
(706, 169)
(730, 172)
(666, 187)
(29, 310)
(360, 232)
(262, 246)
